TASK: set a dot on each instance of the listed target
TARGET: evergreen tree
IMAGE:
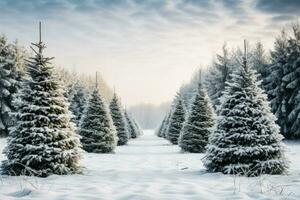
(10, 76)
(160, 129)
(166, 125)
(132, 130)
(291, 83)
(96, 127)
(176, 121)
(283, 83)
(129, 125)
(259, 61)
(217, 76)
(78, 102)
(274, 81)
(246, 140)
(119, 120)
(138, 128)
(43, 141)
(196, 129)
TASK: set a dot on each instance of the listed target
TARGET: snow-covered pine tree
(10, 82)
(197, 127)
(291, 83)
(246, 140)
(165, 129)
(259, 61)
(137, 127)
(217, 76)
(129, 125)
(119, 120)
(274, 81)
(43, 142)
(176, 120)
(78, 102)
(159, 131)
(132, 130)
(96, 127)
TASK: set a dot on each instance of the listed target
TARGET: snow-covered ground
(150, 168)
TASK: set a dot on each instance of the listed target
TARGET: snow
(151, 168)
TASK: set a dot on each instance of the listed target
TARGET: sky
(144, 48)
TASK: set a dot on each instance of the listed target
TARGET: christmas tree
(78, 102)
(96, 127)
(217, 76)
(176, 121)
(196, 129)
(11, 64)
(43, 142)
(138, 128)
(131, 128)
(246, 140)
(119, 120)
(159, 131)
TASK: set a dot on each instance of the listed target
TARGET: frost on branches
(96, 128)
(11, 64)
(43, 142)
(132, 126)
(160, 129)
(196, 129)
(119, 120)
(176, 121)
(246, 140)
(78, 102)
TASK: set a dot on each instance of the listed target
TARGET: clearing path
(151, 168)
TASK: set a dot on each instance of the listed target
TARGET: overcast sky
(145, 48)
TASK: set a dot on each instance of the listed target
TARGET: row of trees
(245, 137)
(43, 140)
(279, 72)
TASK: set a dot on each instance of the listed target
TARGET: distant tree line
(240, 108)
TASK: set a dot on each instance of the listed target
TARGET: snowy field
(150, 168)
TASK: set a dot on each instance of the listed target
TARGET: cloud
(138, 37)
(279, 6)
(282, 18)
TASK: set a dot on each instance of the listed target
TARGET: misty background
(149, 115)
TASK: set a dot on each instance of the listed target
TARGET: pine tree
(259, 61)
(274, 81)
(166, 126)
(78, 102)
(137, 127)
(217, 76)
(283, 83)
(291, 83)
(96, 127)
(119, 120)
(246, 140)
(10, 77)
(132, 130)
(43, 141)
(176, 121)
(160, 129)
(196, 129)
